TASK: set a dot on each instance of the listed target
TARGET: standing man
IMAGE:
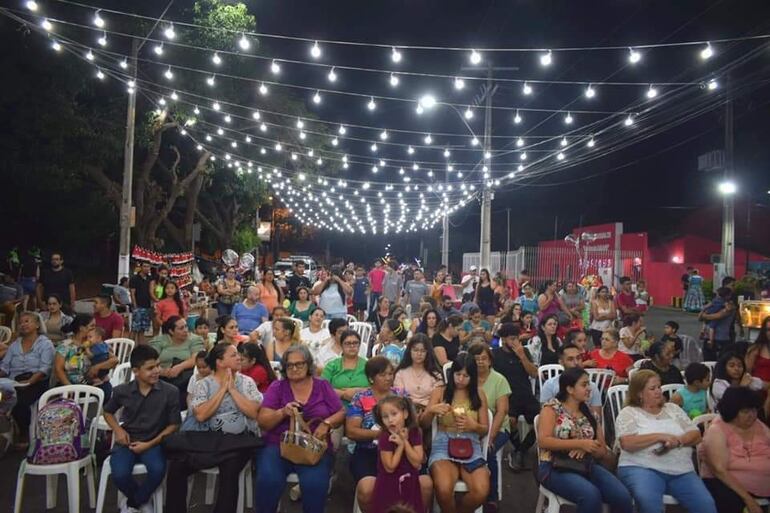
(150, 413)
(297, 280)
(626, 301)
(141, 319)
(360, 292)
(415, 289)
(393, 283)
(56, 280)
(376, 276)
(111, 322)
(438, 281)
(469, 283)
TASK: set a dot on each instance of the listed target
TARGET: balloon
(570, 238)
(247, 261)
(230, 258)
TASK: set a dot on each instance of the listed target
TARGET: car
(284, 266)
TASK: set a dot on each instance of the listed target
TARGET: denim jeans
(497, 444)
(588, 494)
(122, 463)
(270, 481)
(648, 487)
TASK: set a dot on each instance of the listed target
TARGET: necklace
(419, 377)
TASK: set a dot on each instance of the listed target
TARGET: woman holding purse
(571, 443)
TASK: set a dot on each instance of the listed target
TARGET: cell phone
(662, 449)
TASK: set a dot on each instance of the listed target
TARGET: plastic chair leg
(103, 477)
(73, 490)
(51, 487)
(90, 473)
(211, 483)
(19, 488)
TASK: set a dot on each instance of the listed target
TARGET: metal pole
(508, 230)
(126, 203)
(728, 214)
(487, 195)
(444, 232)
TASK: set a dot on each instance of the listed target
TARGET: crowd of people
(449, 377)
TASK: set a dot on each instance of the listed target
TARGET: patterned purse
(299, 446)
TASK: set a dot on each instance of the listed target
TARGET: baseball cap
(474, 268)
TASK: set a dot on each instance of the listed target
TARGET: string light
(317, 97)
(216, 106)
(384, 135)
(634, 56)
(371, 105)
(564, 141)
(47, 26)
(591, 143)
(629, 120)
(300, 123)
(546, 59)
(393, 79)
(428, 101)
(216, 59)
(56, 46)
(523, 155)
(475, 57)
(712, 84)
(519, 142)
(428, 139)
(263, 89)
(169, 74)
(373, 147)
(517, 118)
(526, 89)
(475, 141)
(124, 64)
(31, 5)
(560, 156)
(244, 42)
(459, 83)
(158, 49)
(211, 80)
(342, 130)
(90, 55)
(169, 32)
(590, 91)
(228, 119)
(568, 119)
(275, 67)
(263, 127)
(102, 40)
(395, 55)
(652, 92)
(446, 152)
(175, 97)
(315, 51)
(100, 75)
(419, 110)
(468, 113)
(707, 52)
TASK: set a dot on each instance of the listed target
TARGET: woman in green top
(177, 348)
(346, 373)
(497, 390)
(302, 307)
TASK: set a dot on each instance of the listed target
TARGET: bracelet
(324, 421)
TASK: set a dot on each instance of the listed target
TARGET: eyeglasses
(419, 351)
(295, 365)
(351, 343)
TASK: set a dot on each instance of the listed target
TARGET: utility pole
(508, 230)
(444, 231)
(487, 195)
(126, 201)
(728, 206)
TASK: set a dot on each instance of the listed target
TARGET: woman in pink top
(270, 295)
(171, 305)
(735, 453)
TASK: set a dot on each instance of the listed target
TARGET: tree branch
(106, 183)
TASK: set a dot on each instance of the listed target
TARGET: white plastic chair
(139, 469)
(91, 400)
(121, 348)
(704, 420)
(364, 330)
(602, 378)
(276, 368)
(446, 370)
(121, 374)
(691, 351)
(616, 398)
(711, 366)
(670, 389)
(351, 319)
(325, 324)
(460, 486)
(638, 363)
(546, 372)
(631, 372)
(299, 322)
(5, 334)
(245, 486)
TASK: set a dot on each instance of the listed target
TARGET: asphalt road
(519, 489)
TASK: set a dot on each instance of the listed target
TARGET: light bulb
(546, 59)
(255, 114)
(300, 123)
(468, 113)
(211, 81)
(228, 119)
(244, 43)
(216, 106)
(247, 139)
(523, 155)
(419, 110)
(278, 147)
(487, 155)
(158, 49)
(56, 46)
(90, 55)
(262, 89)
(652, 92)
(393, 79)
(384, 135)
(517, 118)
(428, 101)
(234, 144)
(100, 75)
(634, 56)
(373, 147)
(395, 55)
(371, 105)
(526, 89)
(712, 84)
(591, 143)
(302, 135)
(707, 52)
(175, 96)
(519, 142)
(520, 167)
(335, 141)
(332, 76)
(169, 74)
(446, 153)
(315, 51)
(590, 92)
(410, 150)
(459, 83)
(275, 67)
(169, 32)
(629, 120)
(162, 101)
(564, 141)
(263, 127)
(317, 98)
(475, 141)
(216, 59)
(415, 166)
(428, 139)
(46, 25)
(568, 119)
(32, 5)
(475, 57)
(560, 156)
(102, 40)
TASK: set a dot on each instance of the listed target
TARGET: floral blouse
(228, 418)
(568, 427)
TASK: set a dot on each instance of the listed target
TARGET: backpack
(59, 433)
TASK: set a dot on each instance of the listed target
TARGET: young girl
(693, 398)
(254, 364)
(171, 304)
(730, 371)
(528, 329)
(580, 339)
(400, 456)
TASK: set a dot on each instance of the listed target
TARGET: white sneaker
(147, 507)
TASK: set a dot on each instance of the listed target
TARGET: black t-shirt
(452, 347)
(294, 282)
(57, 282)
(667, 377)
(509, 365)
(141, 284)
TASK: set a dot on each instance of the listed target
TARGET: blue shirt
(359, 289)
(38, 359)
(249, 319)
(551, 388)
(528, 304)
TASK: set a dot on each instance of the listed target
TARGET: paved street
(519, 490)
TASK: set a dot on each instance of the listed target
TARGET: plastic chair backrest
(120, 374)
(5, 334)
(446, 370)
(325, 324)
(704, 420)
(691, 351)
(121, 348)
(364, 330)
(90, 399)
(276, 368)
(638, 363)
(668, 390)
(351, 318)
(299, 323)
(602, 378)
(546, 372)
(711, 366)
(616, 397)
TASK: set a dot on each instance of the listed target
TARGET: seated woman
(446, 343)
(544, 346)
(302, 307)
(463, 418)
(476, 325)
(284, 330)
(419, 374)
(730, 371)
(661, 356)
(331, 348)
(54, 319)
(300, 393)
(228, 331)
(315, 334)
(346, 373)
(254, 364)
(656, 441)
(361, 427)
(75, 361)
(28, 361)
(380, 314)
(610, 357)
(735, 453)
(177, 349)
(568, 432)
(225, 401)
(429, 322)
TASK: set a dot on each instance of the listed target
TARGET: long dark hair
(80, 320)
(452, 320)
(431, 364)
(400, 402)
(465, 362)
(423, 327)
(541, 331)
(222, 321)
(763, 339)
(569, 378)
(255, 352)
(177, 297)
(720, 369)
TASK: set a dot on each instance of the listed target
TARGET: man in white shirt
(469, 282)
(569, 357)
(264, 332)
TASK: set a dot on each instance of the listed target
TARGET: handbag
(299, 446)
(562, 462)
(460, 448)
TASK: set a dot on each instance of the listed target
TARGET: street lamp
(728, 188)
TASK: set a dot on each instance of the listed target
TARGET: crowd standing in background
(421, 380)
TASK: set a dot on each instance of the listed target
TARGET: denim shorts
(140, 320)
